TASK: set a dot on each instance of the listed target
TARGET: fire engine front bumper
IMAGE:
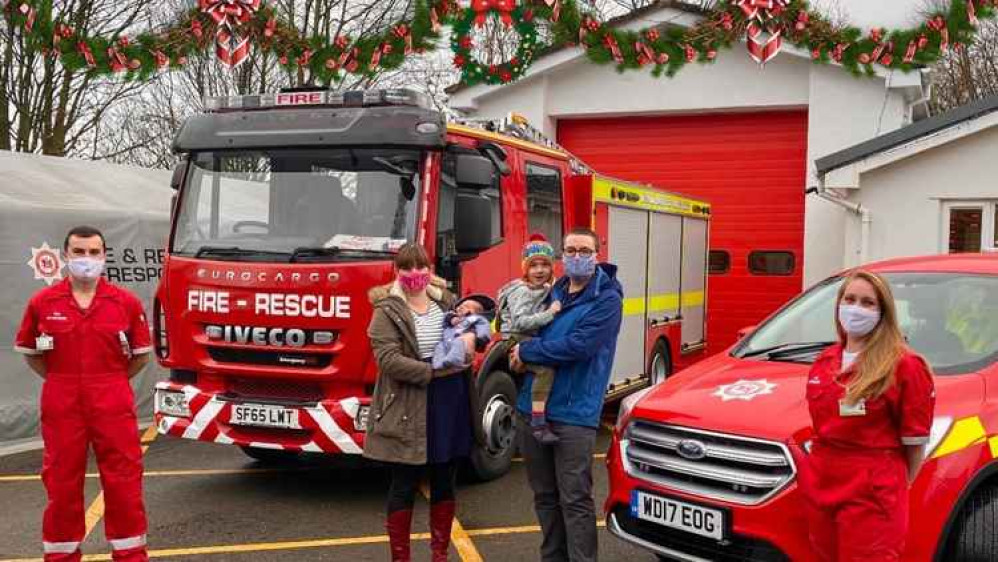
(329, 426)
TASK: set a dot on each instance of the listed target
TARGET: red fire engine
(290, 207)
(701, 468)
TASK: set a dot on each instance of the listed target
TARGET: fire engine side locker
(658, 241)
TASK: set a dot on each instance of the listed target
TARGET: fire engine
(291, 206)
(702, 467)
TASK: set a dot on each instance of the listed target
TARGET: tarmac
(211, 502)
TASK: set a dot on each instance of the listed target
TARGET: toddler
(522, 313)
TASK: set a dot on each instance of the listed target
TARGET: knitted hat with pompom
(537, 247)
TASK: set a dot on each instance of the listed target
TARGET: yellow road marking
(96, 510)
(458, 536)
(299, 545)
(188, 472)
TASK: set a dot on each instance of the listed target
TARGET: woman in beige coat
(422, 421)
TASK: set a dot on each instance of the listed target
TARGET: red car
(701, 467)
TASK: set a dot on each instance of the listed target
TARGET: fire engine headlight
(360, 422)
(172, 403)
(627, 405)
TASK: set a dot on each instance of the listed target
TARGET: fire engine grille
(711, 465)
(735, 548)
(274, 390)
(270, 358)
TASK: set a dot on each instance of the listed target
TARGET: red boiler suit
(855, 478)
(87, 400)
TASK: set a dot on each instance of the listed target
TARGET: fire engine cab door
(694, 286)
(628, 249)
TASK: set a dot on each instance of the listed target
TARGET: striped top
(429, 329)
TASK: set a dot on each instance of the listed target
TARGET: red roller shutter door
(750, 166)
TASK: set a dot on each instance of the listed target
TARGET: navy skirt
(448, 419)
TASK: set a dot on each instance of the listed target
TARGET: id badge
(44, 342)
(854, 410)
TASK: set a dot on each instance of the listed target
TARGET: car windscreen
(278, 204)
(949, 318)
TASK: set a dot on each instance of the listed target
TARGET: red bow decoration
(228, 15)
(30, 14)
(118, 60)
(88, 55)
(763, 39)
(939, 24)
(555, 6)
(503, 7)
(611, 43)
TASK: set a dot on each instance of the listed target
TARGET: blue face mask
(578, 267)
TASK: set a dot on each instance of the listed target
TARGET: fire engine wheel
(270, 456)
(498, 400)
(660, 366)
(974, 538)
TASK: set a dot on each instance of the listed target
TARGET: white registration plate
(264, 415)
(678, 515)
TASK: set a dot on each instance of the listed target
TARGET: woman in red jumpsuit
(871, 401)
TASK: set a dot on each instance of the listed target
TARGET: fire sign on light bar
(354, 98)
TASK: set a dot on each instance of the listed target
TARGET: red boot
(398, 524)
(441, 518)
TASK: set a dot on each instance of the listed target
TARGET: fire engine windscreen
(951, 319)
(275, 205)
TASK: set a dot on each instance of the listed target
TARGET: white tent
(41, 197)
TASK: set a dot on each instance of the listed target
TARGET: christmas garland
(232, 28)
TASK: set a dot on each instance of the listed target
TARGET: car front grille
(682, 545)
(711, 465)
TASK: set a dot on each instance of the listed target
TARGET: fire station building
(742, 137)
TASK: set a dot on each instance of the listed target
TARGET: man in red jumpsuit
(86, 338)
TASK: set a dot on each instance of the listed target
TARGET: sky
(876, 13)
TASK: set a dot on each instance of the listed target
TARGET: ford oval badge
(691, 449)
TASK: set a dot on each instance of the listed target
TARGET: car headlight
(940, 427)
(172, 403)
(626, 405)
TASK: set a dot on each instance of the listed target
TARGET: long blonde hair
(885, 345)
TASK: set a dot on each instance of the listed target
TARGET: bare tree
(967, 74)
(47, 108)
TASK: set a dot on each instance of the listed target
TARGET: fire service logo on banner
(46, 264)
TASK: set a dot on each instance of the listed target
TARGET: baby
(522, 314)
(466, 328)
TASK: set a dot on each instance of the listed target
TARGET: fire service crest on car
(46, 263)
(744, 390)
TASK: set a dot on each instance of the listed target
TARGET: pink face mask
(414, 282)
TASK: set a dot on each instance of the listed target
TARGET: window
(719, 262)
(544, 208)
(965, 228)
(772, 263)
(970, 227)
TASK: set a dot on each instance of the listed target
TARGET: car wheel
(974, 538)
(660, 365)
(498, 411)
(271, 456)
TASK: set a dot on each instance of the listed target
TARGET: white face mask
(86, 269)
(858, 321)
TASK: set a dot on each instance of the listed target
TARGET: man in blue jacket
(579, 343)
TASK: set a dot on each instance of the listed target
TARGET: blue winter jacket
(579, 344)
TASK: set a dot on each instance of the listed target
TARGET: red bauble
(816, 54)
(283, 60)
(528, 16)
(864, 58)
(515, 61)
(341, 42)
(331, 64)
(662, 58)
(493, 69)
(887, 59)
(123, 41)
(711, 54)
(465, 42)
(460, 61)
(506, 76)
(652, 35)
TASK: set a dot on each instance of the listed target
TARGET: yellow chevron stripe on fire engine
(965, 433)
(994, 447)
(663, 302)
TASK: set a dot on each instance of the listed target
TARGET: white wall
(843, 111)
(906, 198)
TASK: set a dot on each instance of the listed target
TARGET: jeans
(561, 477)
